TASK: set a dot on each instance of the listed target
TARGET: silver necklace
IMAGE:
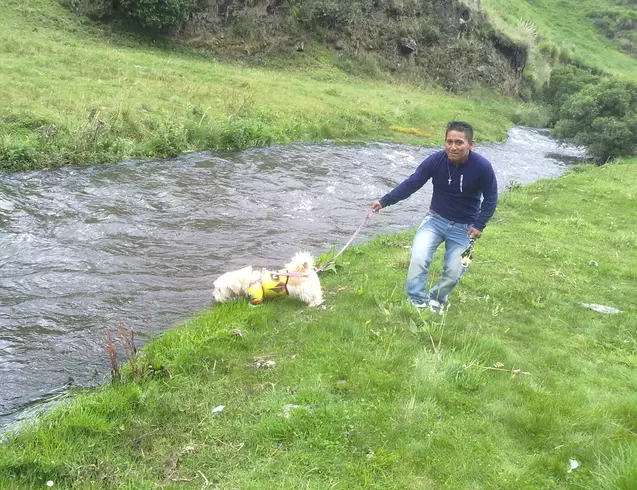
(451, 174)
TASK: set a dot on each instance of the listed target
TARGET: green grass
(75, 92)
(565, 23)
(387, 398)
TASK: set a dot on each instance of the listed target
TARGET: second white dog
(298, 280)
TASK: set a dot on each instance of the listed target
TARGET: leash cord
(349, 242)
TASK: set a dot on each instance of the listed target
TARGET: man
(464, 199)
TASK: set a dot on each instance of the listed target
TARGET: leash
(349, 242)
(324, 265)
(466, 255)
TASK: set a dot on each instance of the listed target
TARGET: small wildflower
(574, 464)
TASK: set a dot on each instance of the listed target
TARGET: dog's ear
(303, 267)
(301, 262)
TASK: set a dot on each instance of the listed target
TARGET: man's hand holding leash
(474, 233)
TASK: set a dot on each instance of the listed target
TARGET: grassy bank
(517, 379)
(76, 93)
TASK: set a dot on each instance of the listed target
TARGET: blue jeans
(430, 234)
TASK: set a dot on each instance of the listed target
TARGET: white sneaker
(437, 307)
(420, 306)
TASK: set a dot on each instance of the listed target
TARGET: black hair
(462, 127)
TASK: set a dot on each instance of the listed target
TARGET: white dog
(298, 280)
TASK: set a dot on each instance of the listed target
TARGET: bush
(603, 118)
(566, 55)
(550, 50)
(563, 83)
(20, 156)
(156, 15)
(619, 24)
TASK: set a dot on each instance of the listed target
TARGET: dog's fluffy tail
(301, 262)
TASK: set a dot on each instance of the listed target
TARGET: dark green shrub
(20, 156)
(563, 83)
(619, 24)
(156, 15)
(628, 44)
(603, 118)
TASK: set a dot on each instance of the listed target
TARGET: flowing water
(141, 242)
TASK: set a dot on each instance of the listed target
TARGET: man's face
(457, 146)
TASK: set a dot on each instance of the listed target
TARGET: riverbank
(130, 99)
(516, 380)
(141, 242)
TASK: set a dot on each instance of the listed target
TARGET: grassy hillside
(516, 380)
(76, 93)
(566, 23)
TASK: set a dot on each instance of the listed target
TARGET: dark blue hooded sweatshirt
(459, 200)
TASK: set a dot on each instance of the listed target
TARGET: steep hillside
(449, 43)
(453, 43)
(572, 25)
(85, 91)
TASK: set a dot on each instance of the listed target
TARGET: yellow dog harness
(269, 285)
